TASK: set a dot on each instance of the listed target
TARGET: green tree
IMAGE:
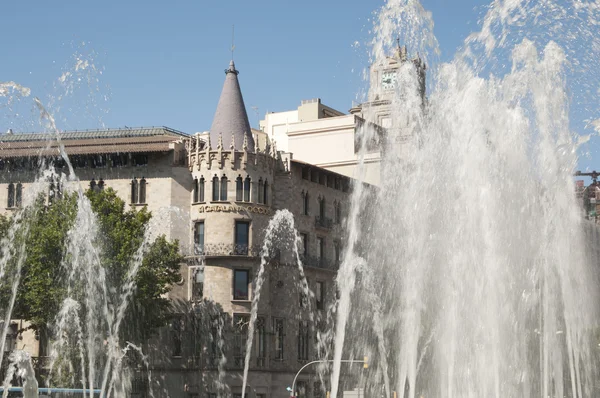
(121, 232)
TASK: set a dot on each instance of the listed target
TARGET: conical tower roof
(231, 120)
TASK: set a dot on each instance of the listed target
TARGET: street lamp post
(364, 361)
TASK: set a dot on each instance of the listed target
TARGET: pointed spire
(220, 144)
(231, 119)
(232, 146)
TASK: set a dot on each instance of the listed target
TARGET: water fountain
(476, 245)
(468, 273)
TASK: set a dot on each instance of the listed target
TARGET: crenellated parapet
(202, 158)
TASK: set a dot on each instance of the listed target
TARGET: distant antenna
(255, 109)
(232, 40)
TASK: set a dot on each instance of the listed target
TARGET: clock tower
(383, 86)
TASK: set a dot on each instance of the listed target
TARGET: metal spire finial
(232, 40)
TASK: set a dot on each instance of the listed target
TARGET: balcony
(315, 262)
(323, 222)
(224, 249)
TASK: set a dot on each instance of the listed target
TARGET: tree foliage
(121, 232)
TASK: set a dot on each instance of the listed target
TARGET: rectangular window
(176, 335)
(303, 333)
(337, 253)
(278, 335)
(197, 284)
(242, 238)
(301, 390)
(305, 173)
(241, 282)
(261, 342)
(199, 237)
(140, 159)
(240, 335)
(320, 295)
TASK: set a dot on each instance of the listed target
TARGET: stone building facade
(216, 193)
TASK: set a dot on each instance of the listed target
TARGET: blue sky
(162, 62)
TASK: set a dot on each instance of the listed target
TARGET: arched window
(266, 193)
(142, 194)
(247, 189)
(11, 195)
(261, 191)
(305, 203)
(195, 191)
(100, 184)
(93, 184)
(19, 195)
(134, 190)
(201, 190)
(223, 188)
(215, 188)
(239, 189)
(338, 212)
(322, 208)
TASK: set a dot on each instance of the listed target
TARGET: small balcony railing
(316, 262)
(323, 222)
(224, 249)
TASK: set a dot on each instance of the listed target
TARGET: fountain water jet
(476, 240)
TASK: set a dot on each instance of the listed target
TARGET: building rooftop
(81, 142)
(94, 134)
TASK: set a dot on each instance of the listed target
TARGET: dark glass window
(215, 188)
(305, 203)
(247, 189)
(305, 173)
(242, 237)
(201, 190)
(241, 282)
(261, 192)
(278, 338)
(11, 195)
(195, 193)
(266, 193)
(304, 244)
(261, 342)
(134, 190)
(239, 189)
(303, 341)
(199, 237)
(176, 334)
(19, 195)
(322, 208)
(140, 159)
(223, 188)
(142, 194)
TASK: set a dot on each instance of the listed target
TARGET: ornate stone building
(216, 193)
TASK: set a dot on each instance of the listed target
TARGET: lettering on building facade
(234, 209)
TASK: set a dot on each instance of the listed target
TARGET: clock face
(388, 80)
